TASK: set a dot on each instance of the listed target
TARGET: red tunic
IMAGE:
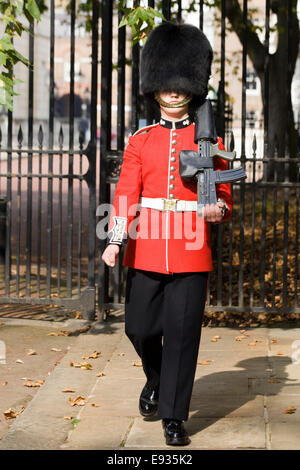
(163, 241)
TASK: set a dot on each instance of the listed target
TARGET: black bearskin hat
(176, 57)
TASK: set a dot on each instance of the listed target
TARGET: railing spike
(40, 136)
(81, 138)
(254, 144)
(232, 142)
(20, 135)
(61, 136)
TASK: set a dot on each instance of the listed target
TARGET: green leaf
(6, 43)
(74, 422)
(19, 7)
(3, 58)
(5, 98)
(7, 80)
(17, 57)
(123, 21)
(132, 17)
(33, 9)
(19, 28)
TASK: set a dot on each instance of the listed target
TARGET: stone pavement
(246, 393)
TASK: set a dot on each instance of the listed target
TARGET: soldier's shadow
(224, 393)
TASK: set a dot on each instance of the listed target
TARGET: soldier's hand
(110, 254)
(214, 212)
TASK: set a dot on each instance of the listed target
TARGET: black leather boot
(175, 432)
(148, 400)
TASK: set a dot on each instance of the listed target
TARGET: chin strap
(163, 103)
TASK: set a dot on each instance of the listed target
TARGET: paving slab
(90, 437)
(227, 433)
(210, 406)
(277, 406)
(285, 435)
(205, 433)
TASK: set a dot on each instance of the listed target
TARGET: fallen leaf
(63, 333)
(10, 413)
(31, 383)
(280, 353)
(19, 361)
(4, 383)
(79, 401)
(273, 340)
(290, 410)
(252, 344)
(95, 405)
(274, 381)
(239, 338)
(86, 366)
(78, 315)
(31, 352)
(137, 363)
(94, 355)
(121, 354)
(60, 333)
(215, 338)
(68, 390)
(56, 349)
(100, 374)
(82, 365)
(204, 363)
(68, 417)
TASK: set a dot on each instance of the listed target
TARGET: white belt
(163, 204)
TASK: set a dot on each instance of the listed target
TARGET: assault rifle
(200, 165)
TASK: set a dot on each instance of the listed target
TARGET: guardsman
(168, 249)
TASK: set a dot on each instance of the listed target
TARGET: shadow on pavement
(220, 394)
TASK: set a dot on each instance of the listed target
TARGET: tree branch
(280, 8)
(255, 48)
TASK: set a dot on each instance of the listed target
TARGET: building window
(67, 71)
(252, 82)
(251, 119)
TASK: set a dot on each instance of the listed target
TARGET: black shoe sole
(147, 415)
(177, 442)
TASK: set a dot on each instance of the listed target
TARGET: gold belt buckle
(170, 204)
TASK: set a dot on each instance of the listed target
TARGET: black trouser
(168, 306)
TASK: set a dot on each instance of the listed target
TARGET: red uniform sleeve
(128, 191)
(223, 190)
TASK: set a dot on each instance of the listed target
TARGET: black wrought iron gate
(53, 182)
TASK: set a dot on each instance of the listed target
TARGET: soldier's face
(172, 97)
